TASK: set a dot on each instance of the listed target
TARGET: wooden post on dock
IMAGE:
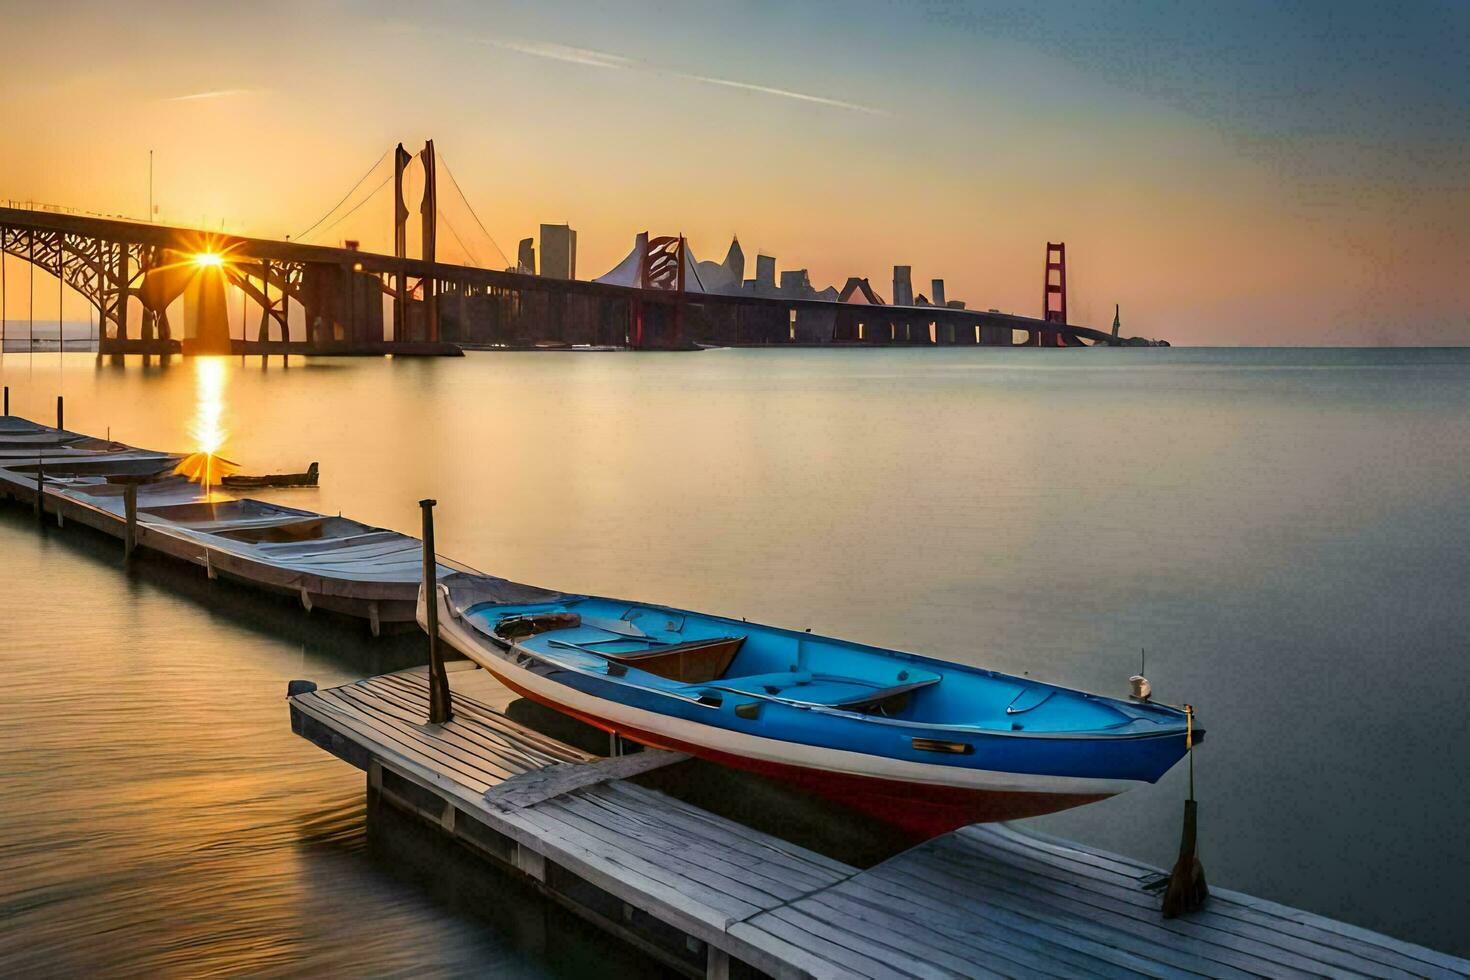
(130, 513)
(7, 399)
(440, 708)
(60, 413)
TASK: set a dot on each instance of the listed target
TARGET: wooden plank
(1061, 849)
(1318, 948)
(427, 771)
(1083, 904)
(658, 853)
(962, 919)
(1350, 940)
(734, 835)
(895, 953)
(529, 788)
(383, 744)
(908, 937)
(642, 860)
(1128, 903)
(465, 741)
(491, 718)
(777, 949)
(1166, 948)
(692, 855)
(1409, 956)
(846, 962)
(788, 870)
(401, 736)
(626, 876)
(480, 737)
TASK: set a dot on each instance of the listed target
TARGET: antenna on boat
(1138, 686)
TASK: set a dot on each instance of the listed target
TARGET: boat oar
(1187, 888)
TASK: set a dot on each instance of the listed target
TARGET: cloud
(222, 93)
(783, 93)
(604, 59)
(561, 52)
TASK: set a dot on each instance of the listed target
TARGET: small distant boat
(239, 481)
(922, 744)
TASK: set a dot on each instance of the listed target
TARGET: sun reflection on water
(207, 429)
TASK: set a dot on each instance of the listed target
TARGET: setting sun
(209, 259)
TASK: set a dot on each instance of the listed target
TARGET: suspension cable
(359, 204)
(349, 194)
(450, 174)
(468, 253)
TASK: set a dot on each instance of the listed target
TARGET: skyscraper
(558, 252)
(903, 285)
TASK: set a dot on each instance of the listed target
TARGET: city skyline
(1305, 189)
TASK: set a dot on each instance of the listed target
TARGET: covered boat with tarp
(329, 562)
(923, 744)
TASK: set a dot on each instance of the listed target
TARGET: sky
(1241, 173)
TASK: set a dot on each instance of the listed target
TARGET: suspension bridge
(141, 279)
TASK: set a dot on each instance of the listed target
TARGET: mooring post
(440, 708)
(40, 491)
(130, 512)
(7, 399)
(60, 413)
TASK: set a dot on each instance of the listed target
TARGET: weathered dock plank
(710, 896)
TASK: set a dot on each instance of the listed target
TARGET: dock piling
(440, 708)
(130, 534)
(60, 414)
(7, 399)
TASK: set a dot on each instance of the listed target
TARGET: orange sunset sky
(1231, 174)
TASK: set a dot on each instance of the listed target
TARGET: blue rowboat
(921, 743)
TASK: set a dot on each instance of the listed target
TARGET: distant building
(903, 285)
(765, 270)
(558, 252)
(526, 256)
(859, 291)
(937, 291)
(735, 262)
(723, 277)
(796, 284)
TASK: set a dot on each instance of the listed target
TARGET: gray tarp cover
(467, 589)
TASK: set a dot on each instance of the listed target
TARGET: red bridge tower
(1057, 313)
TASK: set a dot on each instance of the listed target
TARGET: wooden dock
(711, 897)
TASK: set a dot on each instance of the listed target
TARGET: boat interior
(258, 522)
(717, 662)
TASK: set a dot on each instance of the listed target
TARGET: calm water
(1285, 531)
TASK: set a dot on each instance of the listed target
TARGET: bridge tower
(1056, 262)
(401, 160)
(430, 213)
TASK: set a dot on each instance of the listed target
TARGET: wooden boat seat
(692, 662)
(803, 689)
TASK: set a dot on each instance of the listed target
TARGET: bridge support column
(992, 335)
(124, 278)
